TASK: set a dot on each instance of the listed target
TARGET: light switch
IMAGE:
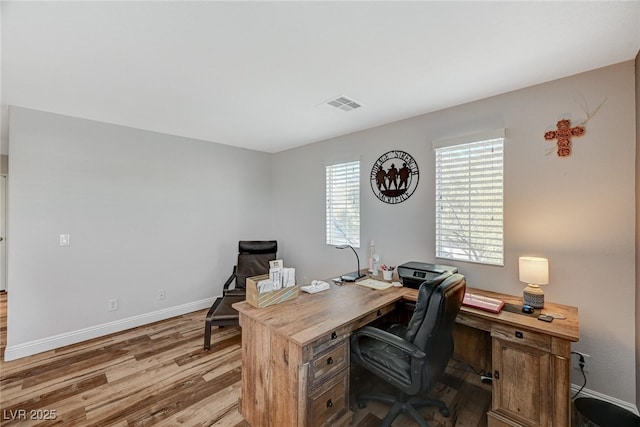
(65, 240)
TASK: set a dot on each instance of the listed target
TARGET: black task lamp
(351, 277)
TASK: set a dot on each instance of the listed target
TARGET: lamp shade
(534, 270)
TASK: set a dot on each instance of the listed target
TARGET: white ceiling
(252, 74)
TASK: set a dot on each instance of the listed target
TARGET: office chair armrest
(388, 338)
(231, 278)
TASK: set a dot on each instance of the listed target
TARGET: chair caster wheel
(444, 412)
(362, 404)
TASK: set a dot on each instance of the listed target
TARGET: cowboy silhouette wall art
(394, 177)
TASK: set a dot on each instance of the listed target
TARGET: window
(343, 204)
(469, 198)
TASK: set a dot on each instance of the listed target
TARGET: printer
(412, 274)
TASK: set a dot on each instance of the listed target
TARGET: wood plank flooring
(467, 399)
(158, 374)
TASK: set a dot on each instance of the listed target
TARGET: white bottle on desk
(372, 252)
(376, 264)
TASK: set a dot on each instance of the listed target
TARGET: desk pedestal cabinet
(285, 384)
(530, 363)
(531, 379)
(295, 358)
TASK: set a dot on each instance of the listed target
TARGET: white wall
(637, 70)
(577, 211)
(145, 211)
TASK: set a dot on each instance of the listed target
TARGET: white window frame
(470, 198)
(343, 204)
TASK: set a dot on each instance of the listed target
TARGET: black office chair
(253, 260)
(412, 358)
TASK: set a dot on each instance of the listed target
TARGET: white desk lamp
(535, 272)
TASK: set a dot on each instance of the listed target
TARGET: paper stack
(279, 277)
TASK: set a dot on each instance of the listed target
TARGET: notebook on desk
(374, 284)
(482, 302)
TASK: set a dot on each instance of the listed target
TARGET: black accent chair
(412, 358)
(253, 260)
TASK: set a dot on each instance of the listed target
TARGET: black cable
(469, 366)
(581, 364)
(584, 384)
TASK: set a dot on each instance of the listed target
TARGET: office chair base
(402, 403)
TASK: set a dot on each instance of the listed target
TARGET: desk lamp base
(532, 295)
(352, 277)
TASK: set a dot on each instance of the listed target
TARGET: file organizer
(266, 299)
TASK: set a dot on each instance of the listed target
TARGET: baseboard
(594, 394)
(45, 344)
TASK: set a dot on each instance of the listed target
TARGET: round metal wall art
(394, 177)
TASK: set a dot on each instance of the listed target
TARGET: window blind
(469, 201)
(343, 204)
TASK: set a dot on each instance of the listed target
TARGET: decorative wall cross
(563, 135)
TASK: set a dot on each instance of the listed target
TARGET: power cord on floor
(467, 366)
(485, 376)
(581, 364)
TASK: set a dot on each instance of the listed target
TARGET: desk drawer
(373, 316)
(326, 364)
(473, 322)
(343, 333)
(327, 341)
(329, 401)
(521, 336)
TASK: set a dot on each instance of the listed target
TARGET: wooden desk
(295, 357)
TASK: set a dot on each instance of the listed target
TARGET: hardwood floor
(158, 374)
(467, 399)
(153, 375)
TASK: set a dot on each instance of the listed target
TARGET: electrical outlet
(113, 304)
(161, 294)
(65, 239)
(586, 363)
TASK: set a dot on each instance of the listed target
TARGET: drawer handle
(519, 334)
(330, 361)
(329, 403)
(334, 335)
(379, 313)
(496, 374)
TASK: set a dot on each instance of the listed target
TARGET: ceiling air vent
(344, 103)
